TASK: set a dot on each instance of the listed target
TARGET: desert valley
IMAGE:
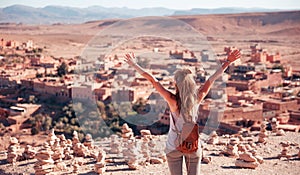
(70, 105)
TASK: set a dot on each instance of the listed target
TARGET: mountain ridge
(65, 14)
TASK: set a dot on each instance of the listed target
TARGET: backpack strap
(176, 129)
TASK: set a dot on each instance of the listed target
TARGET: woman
(183, 107)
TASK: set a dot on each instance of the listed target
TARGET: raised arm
(167, 95)
(202, 92)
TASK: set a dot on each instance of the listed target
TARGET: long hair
(186, 94)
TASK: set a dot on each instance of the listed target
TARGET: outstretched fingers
(236, 53)
(129, 58)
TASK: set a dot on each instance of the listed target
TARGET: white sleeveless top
(172, 135)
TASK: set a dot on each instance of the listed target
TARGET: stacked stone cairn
(274, 125)
(114, 145)
(131, 154)
(130, 151)
(248, 160)
(157, 153)
(79, 149)
(100, 166)
(68, 153)
(75, 138)
(263, 133)
(126, 132)
(146, 137)
(205, 159)
(88, 141)
(92, 150)
(51, 138)
(45, 163)
(66, 147)
(214, 138)
(62, 141)
(242, 147)
(57, 151)
(258, 158)
(232, 148)
(247, 157)
(58, 155)
(284, 151)
(13, 151)
(29, 153)
(75, 165)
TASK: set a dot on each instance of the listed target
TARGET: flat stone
(155, 160)
(145, 132)
(247, 157)
(243, 164)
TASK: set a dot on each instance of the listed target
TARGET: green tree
(32, 99)
(141, 106)
(62, 69)
(101, 108)
(144, 62)
(40, 122)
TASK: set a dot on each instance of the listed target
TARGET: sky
(172, 4)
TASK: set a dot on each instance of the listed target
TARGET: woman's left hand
(130, 58)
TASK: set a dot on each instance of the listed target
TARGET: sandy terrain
(220, 165)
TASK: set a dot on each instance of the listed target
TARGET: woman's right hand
(234, 55)
(130, 58)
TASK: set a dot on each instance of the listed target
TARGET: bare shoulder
(172, 102)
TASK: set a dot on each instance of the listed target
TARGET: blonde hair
(186, 93)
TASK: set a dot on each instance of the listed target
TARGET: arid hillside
(276, 31)
(279, 23)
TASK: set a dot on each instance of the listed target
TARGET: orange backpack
(187, 138)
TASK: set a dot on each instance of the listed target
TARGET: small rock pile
(89, 142)
(100, 166)
(131, 154)
(79, 149)
(45, 163)
(156, 152)
(263, 133)
(130, 151)
(214, 138)
(51, 137)
(13, 152)
(75, 138)
(58, 155)
(114, 145)
(248, 160)
(284, 151)
(126, 132)
(75, 165)
(66, 146)
(29, 152)
(274, 125)
(205, 159)
(232, 148)
(146, 137)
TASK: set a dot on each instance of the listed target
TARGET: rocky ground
(219, 164)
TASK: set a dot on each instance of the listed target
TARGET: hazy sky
(174, 4)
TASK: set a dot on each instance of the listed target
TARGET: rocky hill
(61, 14)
